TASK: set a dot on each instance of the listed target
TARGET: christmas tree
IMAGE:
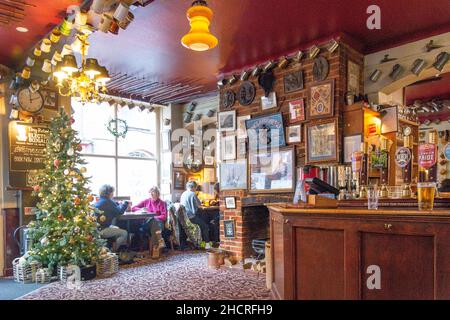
(66, 229)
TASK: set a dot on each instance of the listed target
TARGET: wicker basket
(107, 265)
(25, 272)
(43, 275)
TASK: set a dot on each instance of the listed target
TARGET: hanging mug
(66, 27)
(81, 18)
(121, 12)
(105, 23)
(46, 45)
(56, 58)
(97, 6)
(30, 61)
(26, 73)
(55, 36)
(47, 66)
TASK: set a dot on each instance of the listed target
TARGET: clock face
(30, 102)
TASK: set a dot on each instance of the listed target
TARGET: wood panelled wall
(337, 71)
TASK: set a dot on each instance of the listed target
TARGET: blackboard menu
(27, 143)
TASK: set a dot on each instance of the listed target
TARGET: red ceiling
(39, 20)
(249, 31)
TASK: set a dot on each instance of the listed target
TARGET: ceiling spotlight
(256, 71)
(245, 75)
(441, 59)
(283, 63)
(269, 65)
(22, 29)
(233, 79)
(314, 51)
(431, 46)
(396, 71)
(375, 75)
(333, 46)
(418, 66)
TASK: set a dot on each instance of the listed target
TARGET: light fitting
(22, 29)
(199, 38)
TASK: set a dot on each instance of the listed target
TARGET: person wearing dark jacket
(111, 211)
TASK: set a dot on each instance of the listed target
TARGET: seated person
(191, 203)
(111, 210)
(155, 225)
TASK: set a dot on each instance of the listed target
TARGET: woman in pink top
(154, 226)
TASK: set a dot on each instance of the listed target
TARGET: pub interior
(255, 150)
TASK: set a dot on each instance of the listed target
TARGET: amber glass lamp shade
(103, 77)
(199, 38)
(59, 73)
(69, 64)
(92, 68)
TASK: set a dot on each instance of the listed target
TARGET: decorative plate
(228, 99)
(320, 69)
(247, 92)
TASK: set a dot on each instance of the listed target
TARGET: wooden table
(128, 217)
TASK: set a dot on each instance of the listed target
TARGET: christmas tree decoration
(61, 234)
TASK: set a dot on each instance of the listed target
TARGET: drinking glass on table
(425, 195)
(372, 197)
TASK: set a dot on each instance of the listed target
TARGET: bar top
(360, 211)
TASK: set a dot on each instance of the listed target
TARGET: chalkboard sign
(27, 143)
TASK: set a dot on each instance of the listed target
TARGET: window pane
(135, 118)
(91, 120)
(136, 177)
(102, 171)
(138, 144)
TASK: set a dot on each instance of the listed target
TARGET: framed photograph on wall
(50, 99)
(353, 77)
(293, 81)
(321, 141)
(209, 174)
(321, 100)
(228, 145)
(241, 148)
(227, 121)
(297, 111)
(269, 102)
(267, 130)
(209, 160)
(389, 122)
(351, 144)
(177, 160)
(272, 172)
(179, 180)
(294, 134)
(241, 131)
(233, 175)
(230, 203)
(229, 228)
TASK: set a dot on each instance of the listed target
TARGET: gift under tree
(66, 229)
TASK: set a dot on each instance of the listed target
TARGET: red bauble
(36, 188)
(89, 238)
(72, 120)
(60, 217)
(56, 163)
(79, 147)
(77, 201)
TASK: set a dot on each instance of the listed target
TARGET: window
(129, 163)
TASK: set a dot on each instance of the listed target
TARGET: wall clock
(320, 69)
(30, 102)
(247, 92)
(228, 99)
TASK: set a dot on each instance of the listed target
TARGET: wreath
(117, 127)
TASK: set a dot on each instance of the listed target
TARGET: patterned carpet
(179, 276)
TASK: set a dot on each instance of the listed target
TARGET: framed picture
(269, 102)
(228, 148)
(209, 174)
(227, 121)
(179, 180)
(351, 144)
(50, 99)
(293, 81)
(266, 131)
(389, 122)
(230, 202)
(229, 228)
(233, 175)
(241, 131)
(321, 100)
(294, 134)
(353, 77)
(321, 142)
(177, 160)
(165, 140)
(241, 148)
(209, 161)
(296, 111)
(272, 172)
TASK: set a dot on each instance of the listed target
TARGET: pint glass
(425, 195)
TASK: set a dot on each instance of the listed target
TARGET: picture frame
(227, 121)
(233, 175)
(228, 148)
(269, 102)
(209, 160)
(209, 174)
(272, 172)
(241, 148)
(293, 81)
(321, 100)
(229, 227)
(266, 131)
(230, 203)
(389, 122)
(178, 160)
(321, 141)
(297, 111)
(50, 98)
(353, 77)
(179, 180)
(241, 130)
(351, 144)
(294, 134)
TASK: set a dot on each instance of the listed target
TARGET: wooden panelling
(11, 250)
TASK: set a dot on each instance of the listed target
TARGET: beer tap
(385, 168)
(364, 177)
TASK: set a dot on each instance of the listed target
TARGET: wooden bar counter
(354, 253)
